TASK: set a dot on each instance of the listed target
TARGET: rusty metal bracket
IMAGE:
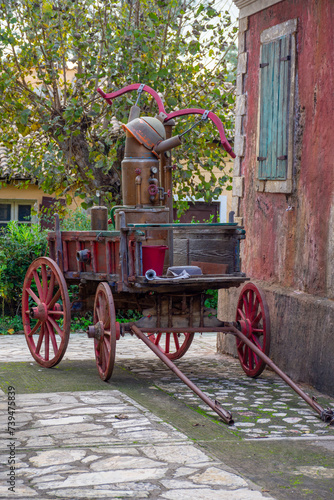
(205, 115)
(328, 416)
(139, 92)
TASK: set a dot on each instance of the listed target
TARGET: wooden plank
(211, 267)
(200, 225)
(284, 94)
(275, 55)
(202, 250)
(263, 140)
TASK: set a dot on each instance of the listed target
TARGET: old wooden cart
(148, 264)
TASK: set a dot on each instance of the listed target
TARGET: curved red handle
(129, 88)
(190, 111)
(214, 118)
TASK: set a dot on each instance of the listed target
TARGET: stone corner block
(239, 145)
(238, 125)
(242, 63)
(243, 24)
(239, 84)
(238, 186)
(241, 42)
(237, 166)
(235, 205)
(241, 104)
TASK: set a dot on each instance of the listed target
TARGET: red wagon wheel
(46, 312)
(174, 345)
(105, 331)
(253, 316)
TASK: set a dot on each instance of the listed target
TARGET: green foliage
(10, 325)
(211, 299)
(81, 323)
(75, 220)
(126, 316)
(20, 244)
(58, 129)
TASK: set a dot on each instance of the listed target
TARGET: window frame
(14, 204)
(267, 36)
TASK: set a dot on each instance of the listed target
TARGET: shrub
(75, 220)
(20, 244)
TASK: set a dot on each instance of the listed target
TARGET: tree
(57, 128)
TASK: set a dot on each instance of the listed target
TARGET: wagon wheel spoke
(255, 341)
(55, 299)
(56, 313)
(44, 282)
(256, 320)
(38, 284)
(173, 344)
(43, 323)
(50, 289)
(246, 304)
(40, 340)
(157, 339)
(255, 310)
(167, 344)
(253, 317)
(241, 313)
(258, 330)
(33, 296)
(176, 341)
(46, 343)
(250, 302)
(52, 337)
(103, 357)
(34, 330)
(56, 327)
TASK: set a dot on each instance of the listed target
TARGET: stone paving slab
(104, 445)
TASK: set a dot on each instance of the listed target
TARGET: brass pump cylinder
(137, 157)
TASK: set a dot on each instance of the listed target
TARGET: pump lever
(212, 116)
(134, 86)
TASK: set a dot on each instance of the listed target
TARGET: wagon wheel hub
(96, 331)
(40, 312)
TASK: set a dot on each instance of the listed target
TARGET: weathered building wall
(289, 236)
(292, 247)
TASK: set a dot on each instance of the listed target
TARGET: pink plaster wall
(291, 247)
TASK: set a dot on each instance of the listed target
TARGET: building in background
(283, 186)
(21, 197)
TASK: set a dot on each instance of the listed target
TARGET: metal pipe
(277, 370)
(168, 144)
(224, 414)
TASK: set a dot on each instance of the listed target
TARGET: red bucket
(153, 258)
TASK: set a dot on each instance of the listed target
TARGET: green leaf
(194, 47)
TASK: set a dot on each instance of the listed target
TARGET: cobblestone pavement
(262, 408)
(104, 444)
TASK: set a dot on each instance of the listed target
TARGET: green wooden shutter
(275, 74)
